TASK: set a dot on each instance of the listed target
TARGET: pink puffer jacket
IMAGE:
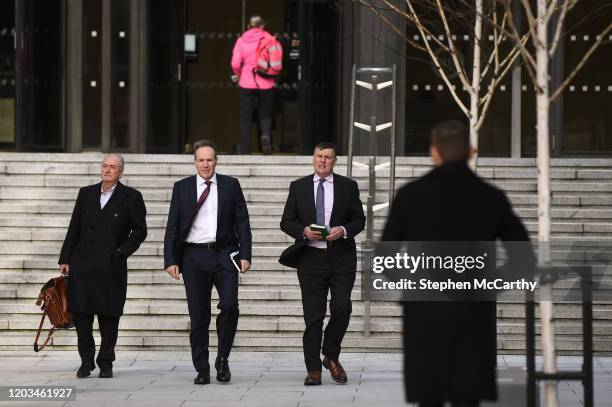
(244, 60)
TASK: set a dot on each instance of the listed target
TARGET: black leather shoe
(106, 373)
(313, 378)
(266, 145)
(223, 371)
(84, 370)
(202, 378)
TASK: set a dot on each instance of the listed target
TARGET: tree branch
(435, 59)
(498, 40)
(530, 63)
(567, 6)
(399, 32)
(453, 51)
(493, 86)
(531, 22)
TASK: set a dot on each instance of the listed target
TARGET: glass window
(428, 102)
(586, 118)
(7, 73)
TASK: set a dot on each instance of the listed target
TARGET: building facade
(152, 76)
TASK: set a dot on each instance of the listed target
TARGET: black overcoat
(97, 245)
(450, 348)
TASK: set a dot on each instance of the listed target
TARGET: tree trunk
(474, 99)
(543, 163)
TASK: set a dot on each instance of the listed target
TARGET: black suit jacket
(233, 227)
(97, 245)
(347, 212)
(450, 348)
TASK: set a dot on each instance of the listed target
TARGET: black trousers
(317, 279)
(251, 101)
(109, 329)
(201, 271)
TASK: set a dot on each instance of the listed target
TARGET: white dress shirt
(204, 228)
(105, 196)
(328, 188)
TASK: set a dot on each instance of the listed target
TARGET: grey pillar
(106, 75)
(138, 74)
(377, 45)
(515, 126)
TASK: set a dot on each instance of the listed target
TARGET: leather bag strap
(36, 347)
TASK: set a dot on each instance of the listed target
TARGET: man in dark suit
(323, 265)
(450, 347)
(108, 225)
(208, 221)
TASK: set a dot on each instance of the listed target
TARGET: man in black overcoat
(323, 265)
(450, 347)
(107, 226)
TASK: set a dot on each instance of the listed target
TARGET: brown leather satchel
(53, 301)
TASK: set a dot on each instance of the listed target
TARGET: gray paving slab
(145, 378)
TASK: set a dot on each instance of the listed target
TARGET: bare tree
(438, 24)
(548, 16)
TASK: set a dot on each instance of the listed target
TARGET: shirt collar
(110, 190)
(329, 178)
(201, 180)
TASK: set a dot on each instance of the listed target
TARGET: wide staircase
(38, 190)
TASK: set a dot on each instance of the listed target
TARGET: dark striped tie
(185, 230)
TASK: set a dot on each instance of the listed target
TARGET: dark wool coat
(97, 246)
(450, 348)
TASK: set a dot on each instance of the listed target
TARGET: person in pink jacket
(256, 92)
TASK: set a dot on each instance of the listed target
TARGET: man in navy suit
(208, 221)
(323, 264)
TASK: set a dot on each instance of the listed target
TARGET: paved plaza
(165, 378)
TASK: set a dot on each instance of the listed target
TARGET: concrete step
(179, 307)
(256, 340)
(245, 323)
(36, 202)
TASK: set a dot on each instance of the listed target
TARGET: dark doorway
(212, 101)
(164, 118)
(320, 76)
(190, 92)
(39, 75)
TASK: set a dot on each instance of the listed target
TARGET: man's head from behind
(256, 22)
(450, 141)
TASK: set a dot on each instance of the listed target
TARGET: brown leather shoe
(335, 369)
(313, 378)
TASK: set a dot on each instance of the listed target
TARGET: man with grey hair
(107, 226)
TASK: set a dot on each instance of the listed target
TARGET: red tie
(191, 219)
